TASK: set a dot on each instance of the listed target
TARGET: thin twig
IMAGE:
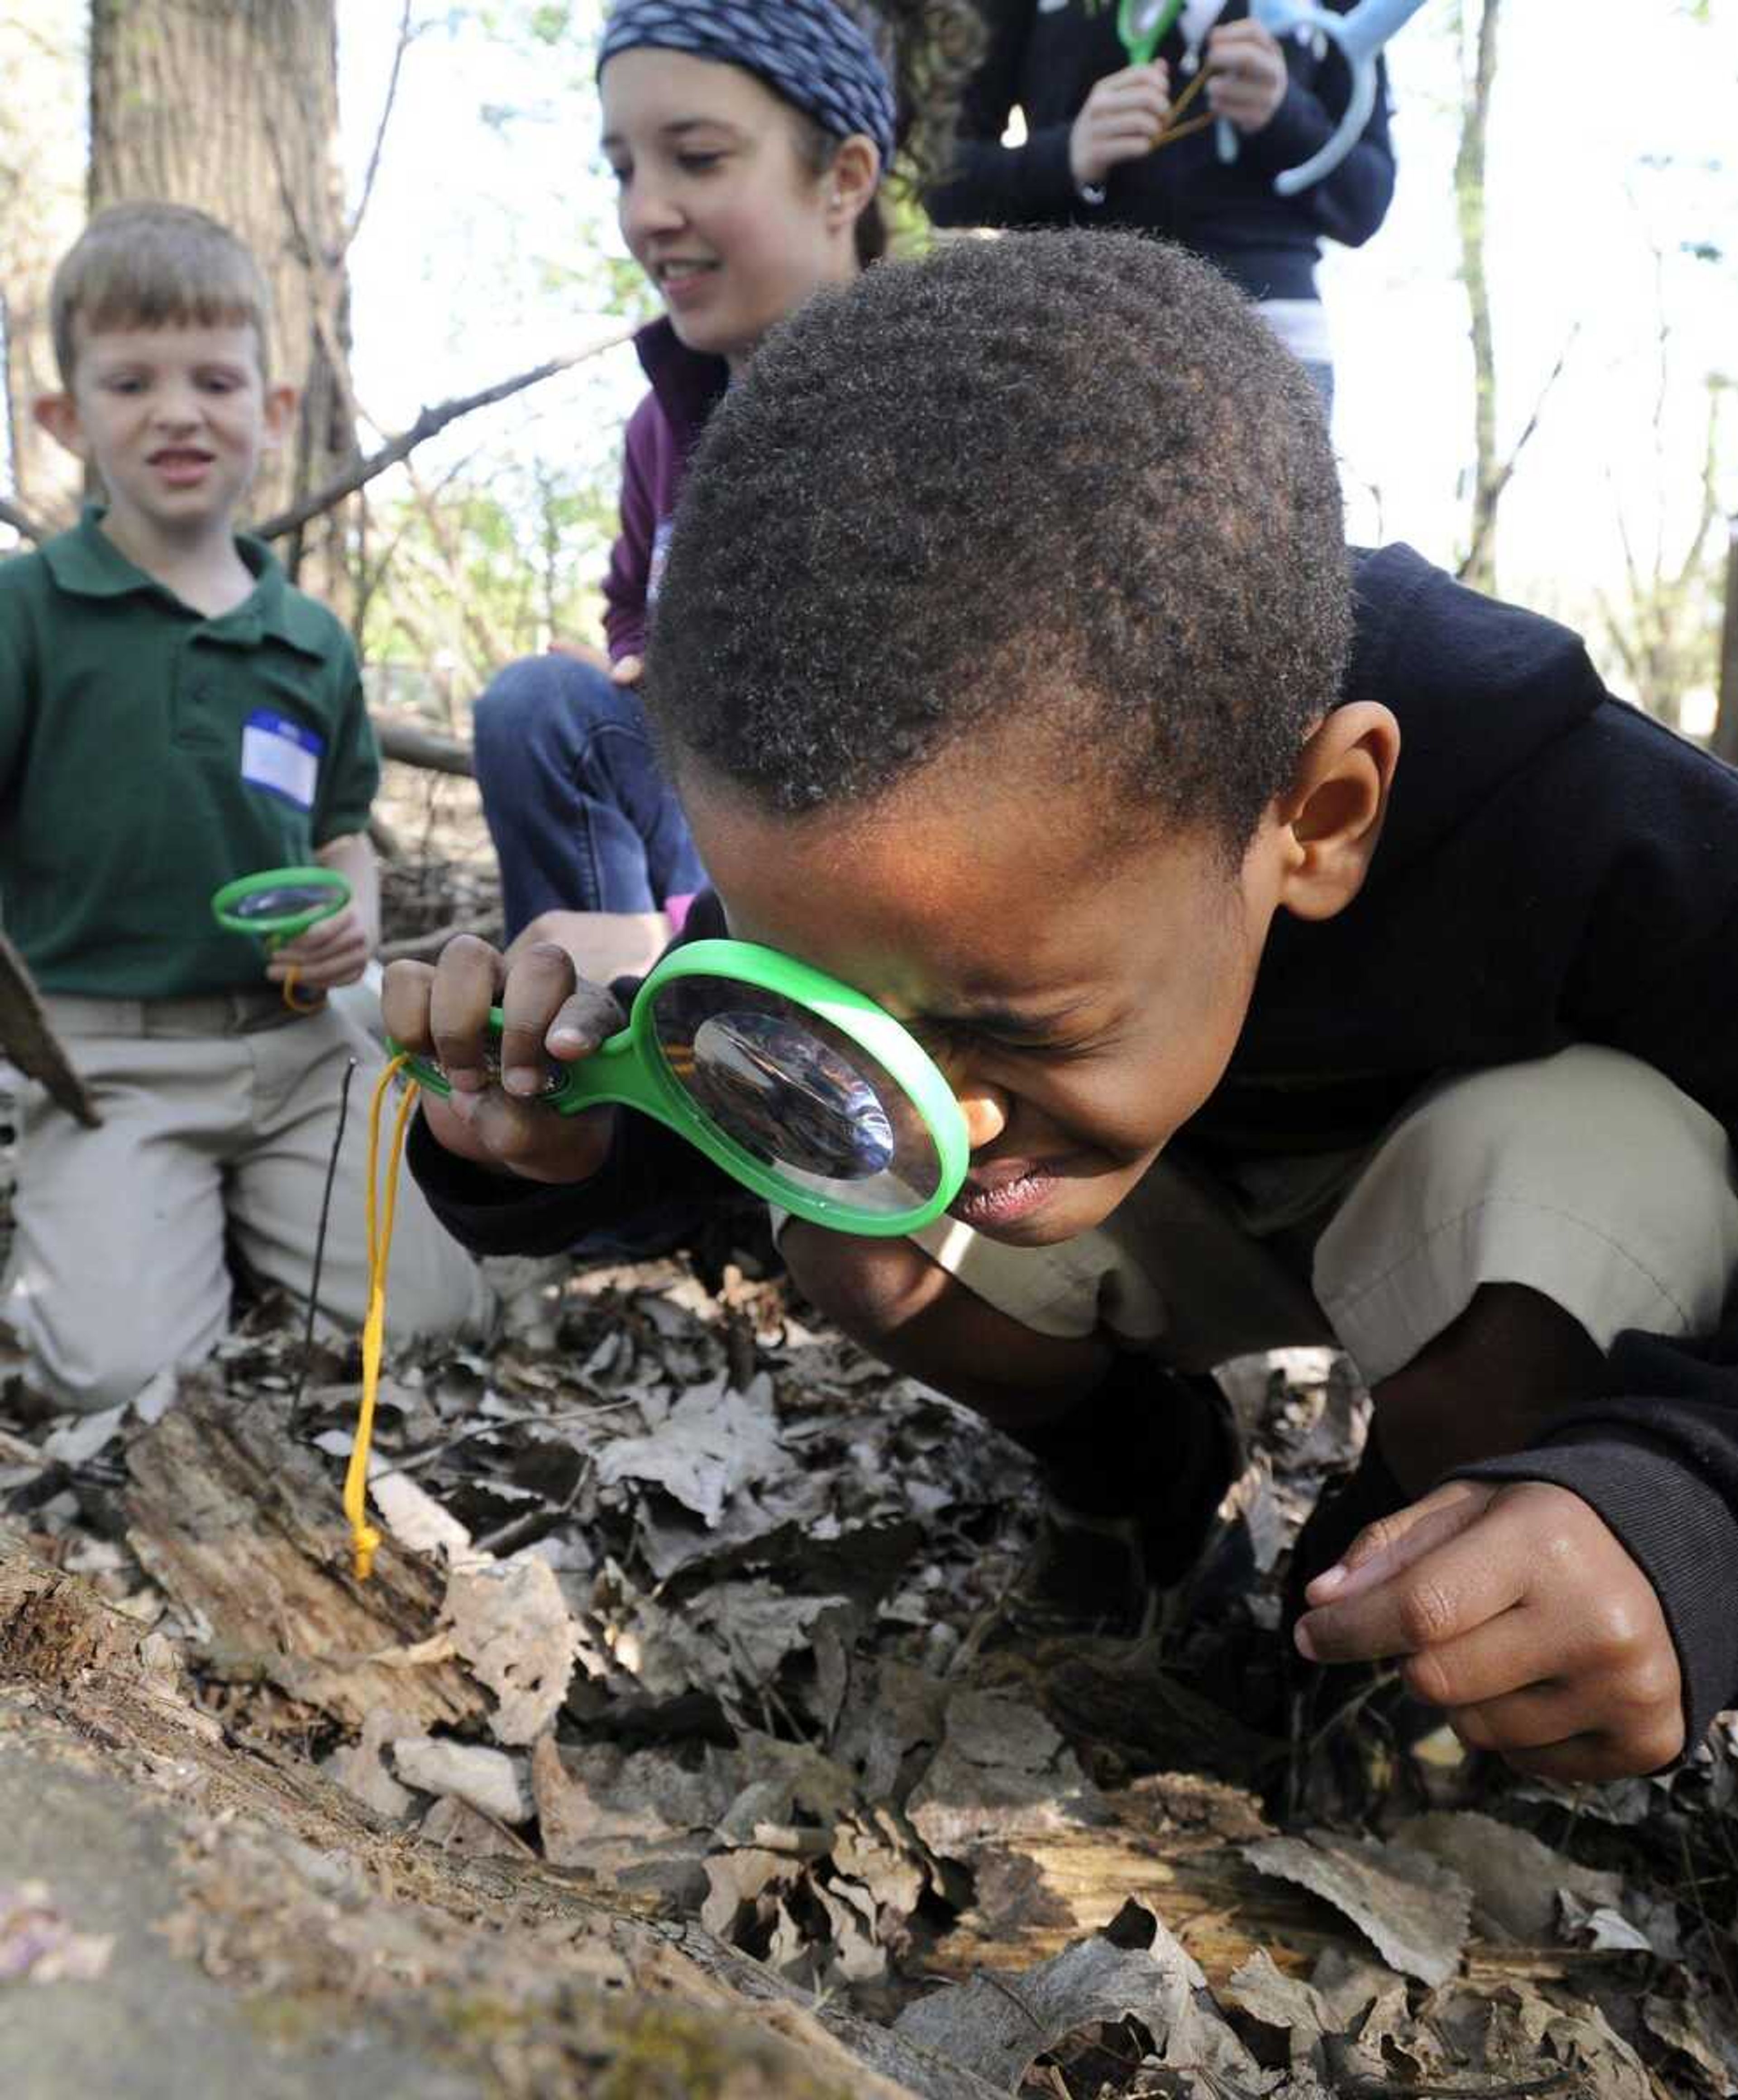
(431, 421)
(22, 523)
(380, 131)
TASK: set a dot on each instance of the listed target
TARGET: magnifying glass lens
(797, 1093)
(283, 901)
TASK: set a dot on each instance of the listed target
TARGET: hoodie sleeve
(991, 184)
(1350, 202)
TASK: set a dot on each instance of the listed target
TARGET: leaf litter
(739, 1655)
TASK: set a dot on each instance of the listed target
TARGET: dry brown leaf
(511, 1624)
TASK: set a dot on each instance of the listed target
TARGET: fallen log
(239, 1524)
(354, 1944)
(411, 746)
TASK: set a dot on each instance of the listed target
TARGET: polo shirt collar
(86, 563)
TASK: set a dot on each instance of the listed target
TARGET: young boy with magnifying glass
(175, 718)
(1316, 951)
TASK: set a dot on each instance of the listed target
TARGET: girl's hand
(1518, 1612)
(1122, 117)
(627, 671)
(549, 1012)
(333, 952)
(1249, 77)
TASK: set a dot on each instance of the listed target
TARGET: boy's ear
(279, 410)
(852, 179)
(1333, 812)
(58, 414)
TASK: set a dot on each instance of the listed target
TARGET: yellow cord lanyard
(364, 1539)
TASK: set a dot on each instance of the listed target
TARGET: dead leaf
(1515, 1879)
(358, 1770)
(1414, 1911)
(511, 1624)
(488, 1780)
(997, 2027)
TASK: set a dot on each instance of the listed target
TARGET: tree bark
(1480, 567)
(1726, 720)
(42, 170)
(231, 106)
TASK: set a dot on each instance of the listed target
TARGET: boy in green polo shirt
(173, 714)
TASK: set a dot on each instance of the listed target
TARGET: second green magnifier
(803, 1089)
(279, 902)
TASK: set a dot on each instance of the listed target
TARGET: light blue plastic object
(1359, 37)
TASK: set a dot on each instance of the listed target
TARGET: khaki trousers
(218, 1115)
(1587, 1177)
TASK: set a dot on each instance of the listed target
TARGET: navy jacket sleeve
(1350, 202)
(991, 184)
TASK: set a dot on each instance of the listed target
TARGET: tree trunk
(231, 106)
(41, 172)
(1726, 720)
(1480, 567)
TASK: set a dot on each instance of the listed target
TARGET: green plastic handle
(630, 1069)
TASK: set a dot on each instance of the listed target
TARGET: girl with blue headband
(752, 143)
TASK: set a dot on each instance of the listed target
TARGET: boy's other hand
(1249, 79)
(1516, 1610)
(550, 1013)
(333, 952)
(1120, 120)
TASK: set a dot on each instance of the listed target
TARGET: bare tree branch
(22, 523)
(1505, 474)
(419, 746)
(355, 227)
(431, 421)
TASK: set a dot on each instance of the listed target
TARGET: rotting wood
(561, 1973)
(28, 1039)
(242, 1528)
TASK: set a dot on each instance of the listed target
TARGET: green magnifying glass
(802, 1088)
(279, 902)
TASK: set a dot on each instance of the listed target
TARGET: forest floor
(683, 1744)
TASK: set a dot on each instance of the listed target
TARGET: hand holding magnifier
(277, 905)
(803, 1089)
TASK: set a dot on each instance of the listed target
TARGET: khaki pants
(1587, 1177)
(218, 1113)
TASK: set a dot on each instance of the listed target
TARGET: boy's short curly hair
(148, 264)
(1066, 476)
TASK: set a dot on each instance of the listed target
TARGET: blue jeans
(582, 818)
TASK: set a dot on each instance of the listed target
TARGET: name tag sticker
(282, 757)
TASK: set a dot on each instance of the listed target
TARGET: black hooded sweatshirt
(1555, 867)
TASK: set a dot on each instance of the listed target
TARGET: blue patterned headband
(810, 50)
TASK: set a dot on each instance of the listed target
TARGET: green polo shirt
(148, 754)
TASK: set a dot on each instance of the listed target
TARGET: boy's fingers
(1593, 1759)
(1439, 1597)
(539, 982)
(466, 980)
(404, 1002)
(1382, 1549)
(1509, 1657)
(1532, 1718)
(590, 1017)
